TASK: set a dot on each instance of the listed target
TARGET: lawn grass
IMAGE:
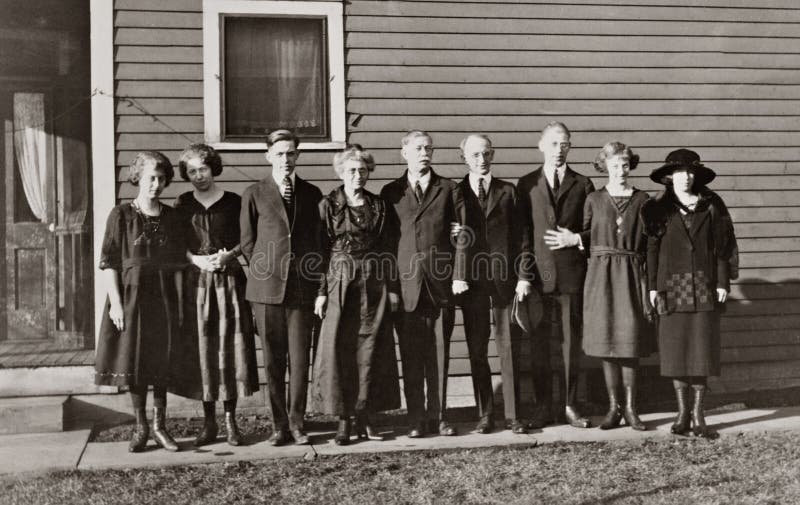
(749, 468)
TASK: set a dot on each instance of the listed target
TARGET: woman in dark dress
(142, 256)
(691, 259)
(217, 317)
(355, 371)
(615, 306)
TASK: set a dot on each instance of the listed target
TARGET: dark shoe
(141, 432)
(446, 429)
(630, 415)
(416, 431)
(681, 424)
(485, 425)
(343, 432)
(160, 434)
(300, 437)
(208, 433)
(279, 437)
(574, 418)
(613, 417)
(699, 428)
(365, 430)
(542, 416)
(232, 429)
(516, 427)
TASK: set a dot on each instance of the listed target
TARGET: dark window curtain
(274, 76)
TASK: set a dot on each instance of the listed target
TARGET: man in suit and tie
(553, 196)
(280, 237)
(496, 226)
(431, 269)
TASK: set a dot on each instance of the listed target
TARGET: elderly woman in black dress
(142, 256)
(218, 318)
(691, 259)
(615, 306)
(355, 370)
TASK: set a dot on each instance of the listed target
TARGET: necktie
(482, 194)
(418, 192)
(556, 183)
(288, 192)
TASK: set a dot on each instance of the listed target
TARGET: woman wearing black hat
(691, 259)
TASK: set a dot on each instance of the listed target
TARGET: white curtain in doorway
(30, 147)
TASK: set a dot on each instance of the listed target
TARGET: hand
(394, 302)
(459, 287)
(653, 295)
(224, 257)
(455, 229)
(319, 306)
(203, 262)
(561, 238)
(523, 289)
(117, 316)
(722, 295)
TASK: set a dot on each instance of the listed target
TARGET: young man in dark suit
(553, 196)
(280, 233)
(495, 224)
(431, 269)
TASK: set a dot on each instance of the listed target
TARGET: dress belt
(597, 251)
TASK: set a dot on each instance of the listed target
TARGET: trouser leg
(477, 327)
(299, 323)
(272, 328)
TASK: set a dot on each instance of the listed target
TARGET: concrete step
(32, 414)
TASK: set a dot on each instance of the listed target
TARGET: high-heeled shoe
(681, 424)
(141, 433)
(343, 432)
(629, 413)
(365, 430)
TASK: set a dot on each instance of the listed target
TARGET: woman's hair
(353, 152)
(613, 149)
(145, 157)
(279, 135)
(205, 153)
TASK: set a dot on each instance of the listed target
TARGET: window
(270, 65)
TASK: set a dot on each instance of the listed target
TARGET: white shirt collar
(474, 178)
(549, 171)
(279, 181)
(424, 180)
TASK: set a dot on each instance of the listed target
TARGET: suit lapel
(275, 199)
(697, 222)
(493, 196)
(566, 184)
(544, 190)
(434, 188)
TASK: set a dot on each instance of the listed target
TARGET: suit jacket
(277, 247)
(495, 253)
(564, 270)
(426, 255)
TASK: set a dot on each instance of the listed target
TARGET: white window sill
(262, 146)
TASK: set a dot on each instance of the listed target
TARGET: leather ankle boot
(210, 430)
(699, 428)
(141, 432)
(343, 432)
(160, 434)
(232, 430)
(364, 428)
(614, 415)
(681, 424)
(630, 415)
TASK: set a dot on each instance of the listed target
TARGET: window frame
(213, 12)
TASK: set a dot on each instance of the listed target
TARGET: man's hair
(279, 135)
(414, 134)
(556, 125)
(475, 136)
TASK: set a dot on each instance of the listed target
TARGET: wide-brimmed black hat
(684, 159)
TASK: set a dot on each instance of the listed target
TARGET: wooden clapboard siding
(719, 76)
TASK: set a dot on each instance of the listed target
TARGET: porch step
(32, 414)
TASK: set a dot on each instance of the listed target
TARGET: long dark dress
(217, 318)
(615, 322)
(146, 252)
(690, 254)
(356, 365)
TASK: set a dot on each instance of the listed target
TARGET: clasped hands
(213, 262)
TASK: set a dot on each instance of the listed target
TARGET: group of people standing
(549, 259)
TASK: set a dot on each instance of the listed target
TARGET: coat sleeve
(528, 258)
(586, 233)
(586, 230)
(521, 242)
(463, 240)
(653, 217)
(326, 242)
(725, 247)
(111, 250)
(248, 222)
(388, 247)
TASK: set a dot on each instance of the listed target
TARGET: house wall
(717, 76)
